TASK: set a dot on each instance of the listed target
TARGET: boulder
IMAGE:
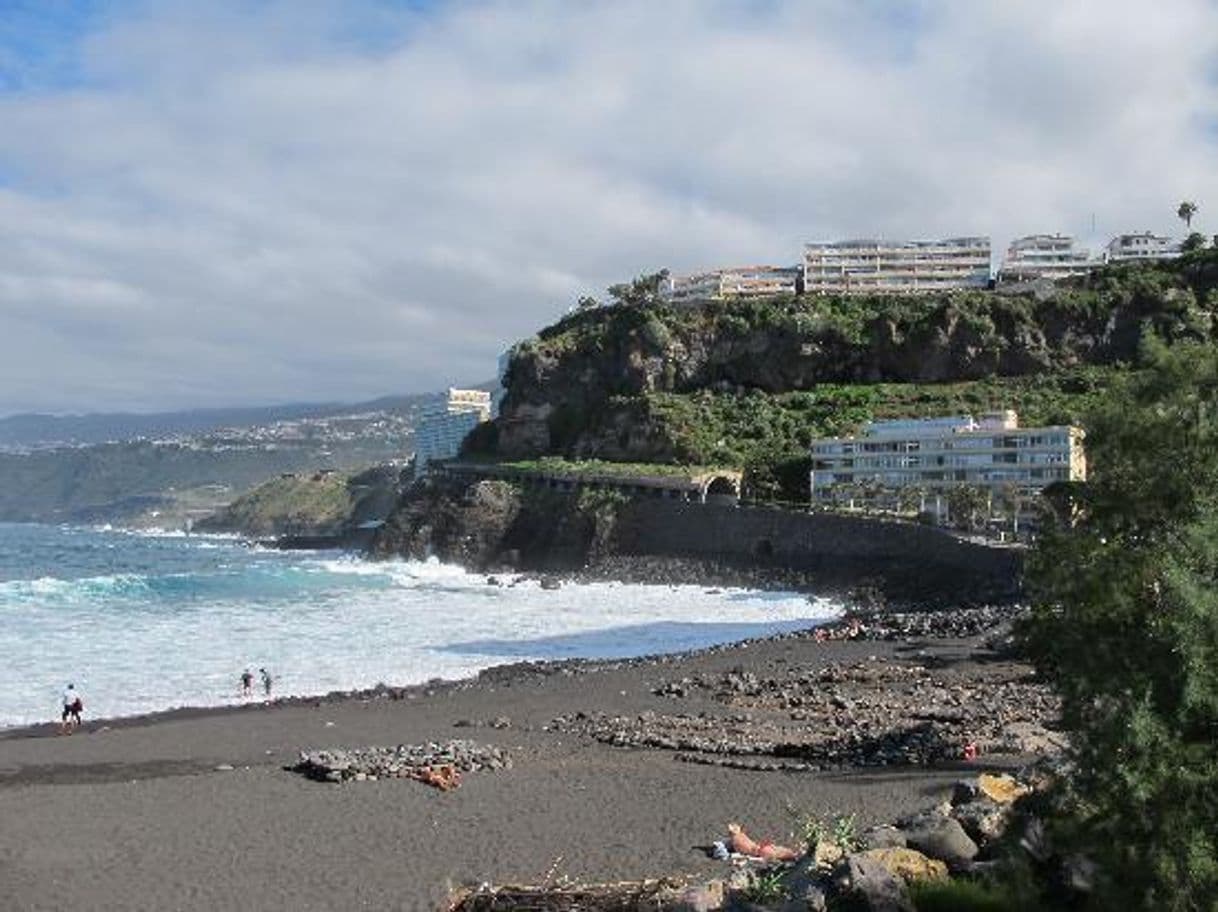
(1001, 788)
(964, 791)
(983, 820)
(942, 838)
(884, 837)
(872, 887)
(908, 864)
(707, 897)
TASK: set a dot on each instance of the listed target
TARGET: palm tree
(1186, 212)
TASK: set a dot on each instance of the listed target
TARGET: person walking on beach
(73, 705)
(247, 683)
(267, 680)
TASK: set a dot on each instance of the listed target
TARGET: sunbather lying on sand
(741, 842)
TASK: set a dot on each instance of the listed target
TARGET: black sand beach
(147, 813)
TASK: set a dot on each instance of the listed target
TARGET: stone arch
(722, 489)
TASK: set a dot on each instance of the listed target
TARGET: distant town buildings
(1141, 246)
(877, 266)
(733, 282)
(892, 463)
(442, 429)
(1044, 256)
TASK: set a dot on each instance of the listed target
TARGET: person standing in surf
(247, 683)
(267, 681)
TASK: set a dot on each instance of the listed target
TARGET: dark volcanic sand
(138, 817)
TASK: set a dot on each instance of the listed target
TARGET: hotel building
(930, 456)
(442, 429)
(735, 282)
(1141, 246)
(1044, 256)
(876, 266)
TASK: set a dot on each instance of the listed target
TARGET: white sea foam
(138, 642)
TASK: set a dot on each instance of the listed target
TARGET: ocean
(142, 622)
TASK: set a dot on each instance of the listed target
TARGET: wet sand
(136, 815)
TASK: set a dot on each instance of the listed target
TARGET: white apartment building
(442, 429)
(1142, 245)
(1044, 256)
(733, 282)
(900, 267)
(880, 466)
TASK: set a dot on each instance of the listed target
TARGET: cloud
(224, 203)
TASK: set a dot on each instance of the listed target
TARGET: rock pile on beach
(405, 761)
(879, 712)
(947, 623)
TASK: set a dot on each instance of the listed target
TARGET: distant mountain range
(37, 431)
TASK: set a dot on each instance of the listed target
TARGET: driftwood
(626, 896)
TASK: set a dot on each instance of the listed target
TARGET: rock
(707, 897)
(550, 583)
(884, 837)
(908, 864)
(1001, 789)
(983, 820)
(872, 887)
(942, 838)
(224, 768)
(826, 854)
(963, 791)
(501, 722)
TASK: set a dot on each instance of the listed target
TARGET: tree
(1125, 625)
(1185, 212)
(1195, 241)
(645, 289)
(587, 302)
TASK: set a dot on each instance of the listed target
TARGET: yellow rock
(827, 854)
(1002, 789)
(908, 864)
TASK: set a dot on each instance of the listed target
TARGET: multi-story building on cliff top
(1143, 245)
(901, 267)
(732, 282)
(1044, 256)
(442, 428)
(925, 458)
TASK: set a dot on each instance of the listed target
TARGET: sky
(229, 203)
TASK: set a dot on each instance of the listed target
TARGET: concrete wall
(901, 558)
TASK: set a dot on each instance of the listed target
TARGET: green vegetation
(965, 896)
(1126, 628)
(307, 503)
(583, 468)
(766, 887)
(768, 435)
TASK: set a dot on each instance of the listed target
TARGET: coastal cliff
(494, 526)
(749, 383)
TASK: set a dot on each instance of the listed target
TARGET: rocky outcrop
(568, 390)
(323, 506)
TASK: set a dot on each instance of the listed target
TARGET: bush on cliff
(1127, 629)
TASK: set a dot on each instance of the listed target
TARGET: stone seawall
(895, 558)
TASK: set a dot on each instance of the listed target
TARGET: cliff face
(570, 390)
(492, 525)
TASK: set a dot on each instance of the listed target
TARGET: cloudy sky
(215, 203)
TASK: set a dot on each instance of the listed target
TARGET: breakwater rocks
(881, 712)
(434, 762)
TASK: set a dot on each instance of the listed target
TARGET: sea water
(142, 622)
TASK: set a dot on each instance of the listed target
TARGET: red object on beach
(970, 750)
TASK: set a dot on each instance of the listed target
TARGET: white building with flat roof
(732, 282)
(890, 460)
(1143, 245)
(443, 428)
(899, 267)
(1044, 256)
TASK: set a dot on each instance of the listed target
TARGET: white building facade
(734, 282)
(897, 267)
(1044, 256)
(1142, 245)
(890, 461)
(441, 430)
